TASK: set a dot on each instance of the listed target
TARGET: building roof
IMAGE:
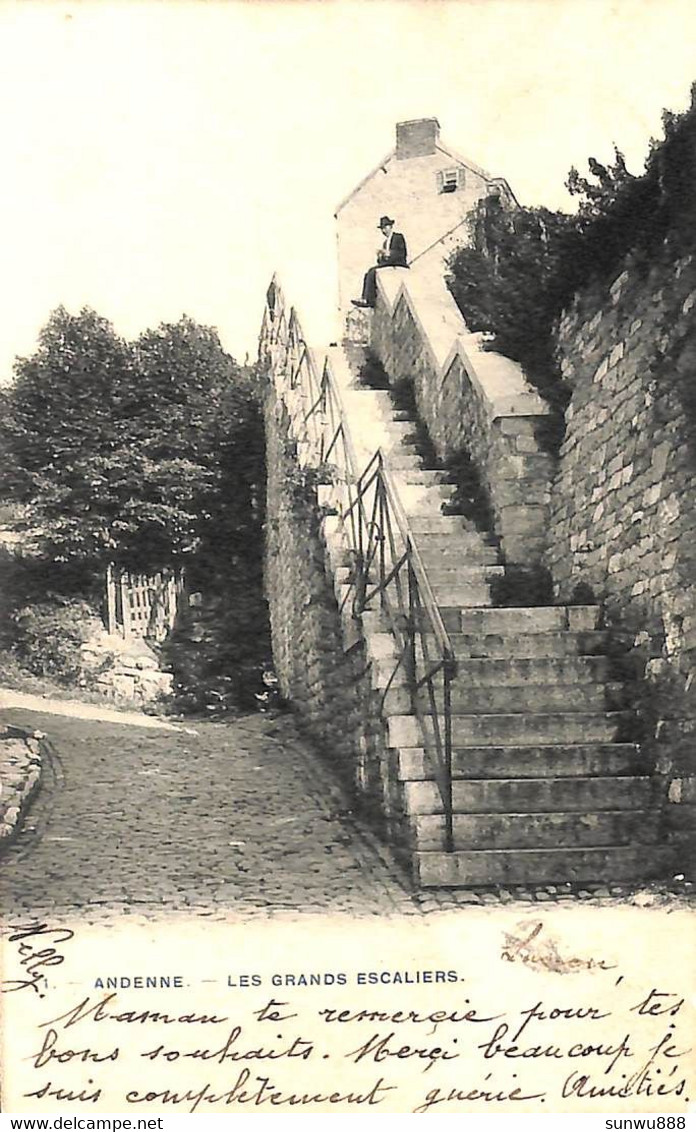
(456, 157)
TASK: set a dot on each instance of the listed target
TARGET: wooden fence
(142, 605)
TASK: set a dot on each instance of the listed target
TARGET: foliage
(48, 636)
(471, 497)
(27, 580)
(300, 485)
(146, 454)
(506, 285)
(120, 450)
(206, 495)
(599, 196)
(221, 648)
(524, 265)
(620, 214)
(61, 436)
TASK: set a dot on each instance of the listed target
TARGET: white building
(426, 187)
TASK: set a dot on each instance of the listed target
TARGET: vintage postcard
(347, 582)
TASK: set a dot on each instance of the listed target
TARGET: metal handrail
(388, 567)
(423, 580)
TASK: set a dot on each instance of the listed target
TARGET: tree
(599, 196)
(63, 437)
(503, 283)
(121, 450)
(147, 454)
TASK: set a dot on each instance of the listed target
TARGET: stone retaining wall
(470, 400)
(20, 776)
(123, 671)
(623, 510)
(324, 677)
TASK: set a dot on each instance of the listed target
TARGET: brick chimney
(417, 138)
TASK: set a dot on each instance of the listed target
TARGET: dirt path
(75, 709)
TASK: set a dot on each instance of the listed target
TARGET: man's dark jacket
(396, 256)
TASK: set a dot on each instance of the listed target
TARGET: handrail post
(361, 580)
(382, 498)
(411, 628)
(110, 599)
(448, 672)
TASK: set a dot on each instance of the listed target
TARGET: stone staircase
(548, 784)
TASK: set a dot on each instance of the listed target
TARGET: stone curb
(20, 778)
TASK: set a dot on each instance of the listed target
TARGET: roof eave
(368, 177)
(477, 169)
(442, 149)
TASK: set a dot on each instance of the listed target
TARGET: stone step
(423, 499)
(398, 453)
(463, 572)
(529, 645)
(514, 671)
(348, 352)
(401, 432)
(447, 525)
(553, 761)
(505, 730)
(469, 549)
(381, 397)
(533, 830)
(426, 476)
(450, 599)
(403, 429)
(534, 698)
(482, 867)
(458, 595)
(404, 457)
(459, 622)
(533, 795)
(532, 619)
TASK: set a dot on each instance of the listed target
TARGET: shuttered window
(449, 180)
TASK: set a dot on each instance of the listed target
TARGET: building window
(449, 180)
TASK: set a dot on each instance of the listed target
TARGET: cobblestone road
(238, 818)
(214, 820)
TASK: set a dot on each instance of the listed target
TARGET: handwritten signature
(529, 947)
(37, 950)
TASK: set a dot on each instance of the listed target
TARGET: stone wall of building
(470, 400)
(325, 678)
(408, 186)
(623, 504)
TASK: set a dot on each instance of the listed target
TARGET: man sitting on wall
(391, 254)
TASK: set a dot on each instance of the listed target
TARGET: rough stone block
(526, 444)
(617, 353)
(601, 370)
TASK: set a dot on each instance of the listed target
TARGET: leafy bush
(506, 284)
(27, 581)
(524, 266)
(48, 636)
(220, 649)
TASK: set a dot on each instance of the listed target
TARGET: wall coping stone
(500, 382)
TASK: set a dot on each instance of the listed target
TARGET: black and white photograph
(348, 558)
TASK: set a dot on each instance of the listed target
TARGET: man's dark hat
(384, 220)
